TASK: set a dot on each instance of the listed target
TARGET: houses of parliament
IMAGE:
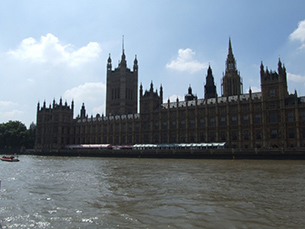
(272, 118)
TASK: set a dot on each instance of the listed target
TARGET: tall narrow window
(290, 116)
(272, 92)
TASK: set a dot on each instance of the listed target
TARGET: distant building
(270, 118)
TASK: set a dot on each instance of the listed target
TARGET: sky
(59, 49)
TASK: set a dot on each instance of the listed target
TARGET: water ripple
(62, 192)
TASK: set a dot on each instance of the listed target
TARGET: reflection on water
(62, 192)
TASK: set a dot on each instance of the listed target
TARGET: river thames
(76, 192)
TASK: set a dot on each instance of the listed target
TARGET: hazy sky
(59, 49)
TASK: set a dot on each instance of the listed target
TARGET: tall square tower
(122, 88)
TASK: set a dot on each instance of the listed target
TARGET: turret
(150, 100)
(123, 63)
(161, 94)
(189, 96)
(135, 64)
(262, 71)
(209, 88)
(109, 65)
(141, 90)
(273, 83)
(83, 111)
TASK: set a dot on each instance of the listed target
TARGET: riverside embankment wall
(277, 154)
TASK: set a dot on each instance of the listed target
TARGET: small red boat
(9, 159)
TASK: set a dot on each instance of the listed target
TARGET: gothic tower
(209, 88)
(274, 84)
(54, 124)
(231, 81)
(150, 100)
(122, 88)
(275, 98)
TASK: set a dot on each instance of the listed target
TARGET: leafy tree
(14, 134)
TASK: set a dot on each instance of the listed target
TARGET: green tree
(14, 134)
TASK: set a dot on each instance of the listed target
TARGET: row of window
(273, 118)
(222, 109)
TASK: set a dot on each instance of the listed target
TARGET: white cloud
(50, 50)
(7, 104)
(98, 110)
(87, 92)
(8, 111)
(185, 62)
(92, 94)
(11, 115)
(295, 78)
(49, 67)
(299, 34)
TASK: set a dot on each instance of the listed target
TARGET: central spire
(230, 52)
(230, 63)
(123, 44)
(231, 81)
(123, 60)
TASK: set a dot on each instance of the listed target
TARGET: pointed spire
(231, 81)
(262, 71)
(230, 63)
(135, 64)
(123, 44)
(230, 46)
(210, 71)
(109, 58)
(109, 65)
(279, 66)
(210, 87)
(190, 90)
(161, 94)
(141, 89)
(123, 59)
(83, 111)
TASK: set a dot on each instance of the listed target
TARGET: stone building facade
(270, 118)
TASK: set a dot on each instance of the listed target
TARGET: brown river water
(75, 192)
